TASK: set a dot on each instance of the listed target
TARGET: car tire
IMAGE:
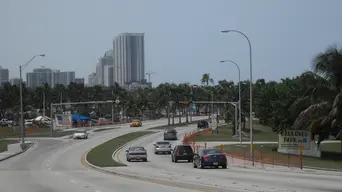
(201, 165)
(144, 160)
(156, 152)
(128, 160)
(195, 166)
(224, 166)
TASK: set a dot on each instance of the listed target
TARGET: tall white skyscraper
(104, 69)
(129, 58)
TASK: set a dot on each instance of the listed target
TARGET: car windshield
(136, 149)
(80, 131)
(212, 151)
(163, 143)
(136, 120)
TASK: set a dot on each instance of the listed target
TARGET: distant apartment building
(79, 81)
(129, 58)
(104, 69)
(44, 75)
(15, 81)
(4, 75)
(92, 79)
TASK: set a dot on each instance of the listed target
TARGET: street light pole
(21, 68)
(250, 86)
(237, 66)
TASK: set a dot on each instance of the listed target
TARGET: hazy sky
(182, 37)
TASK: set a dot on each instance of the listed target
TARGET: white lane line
(97, 191)
(72, 181)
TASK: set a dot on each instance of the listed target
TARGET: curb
(15, 154)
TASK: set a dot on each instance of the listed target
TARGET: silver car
(80, 134)
(162, 147)
(170, 134)
(136, 153)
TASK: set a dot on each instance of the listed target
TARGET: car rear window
(212, 151)
(136, 149)
(186, 149)
(170, 131)
(163, 143)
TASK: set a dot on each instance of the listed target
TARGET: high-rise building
(51, 77)
(129, 58)
(79, 81)
(39, 77)
(92, 79)
(4, 75)
(104, 69)
(15, 81)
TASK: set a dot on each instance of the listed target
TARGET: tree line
(310, 101)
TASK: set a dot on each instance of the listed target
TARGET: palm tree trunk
(186, 115)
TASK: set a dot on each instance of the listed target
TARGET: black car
(210, 157)
(182, 152)
(202, 124)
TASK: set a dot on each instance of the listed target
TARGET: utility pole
(149, 73)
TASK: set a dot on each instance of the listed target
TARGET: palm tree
(324, 114)
(206, 79)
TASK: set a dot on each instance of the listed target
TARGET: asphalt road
(231, 179)
(53, 165)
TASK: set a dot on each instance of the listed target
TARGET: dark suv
(202, 124)
(182, 152)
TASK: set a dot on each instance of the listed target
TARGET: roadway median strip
(172, 126)
(101, 155)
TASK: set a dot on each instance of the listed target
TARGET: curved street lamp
(250, 86)
(237, 66)
(21, 68)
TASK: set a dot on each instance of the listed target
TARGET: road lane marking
(72, 181)
(137, 179)
(117, 155)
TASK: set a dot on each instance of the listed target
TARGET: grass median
(260, 133)
(101, 155)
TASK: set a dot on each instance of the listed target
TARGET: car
(80, 134)
(182, 152)
(210, 157)
(136, 153)
(170, 134)
(136, 123)
(162, 147)
(202, 124)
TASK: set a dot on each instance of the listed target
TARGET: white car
(80, 135)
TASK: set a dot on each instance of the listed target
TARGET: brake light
(222, 156)
(177, 153)
(205, 156)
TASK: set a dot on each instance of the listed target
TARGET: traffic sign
(294, 139)
(186, 102)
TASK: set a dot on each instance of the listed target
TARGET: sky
(183, 39)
